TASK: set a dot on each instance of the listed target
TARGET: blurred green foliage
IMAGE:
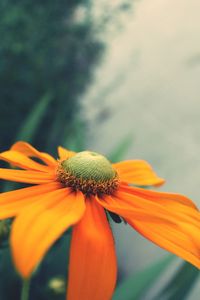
(45, 51)
(180, 284)
(48, 52)
(134, 287)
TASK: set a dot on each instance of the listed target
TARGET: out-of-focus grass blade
(121, 149)
(77, 141)
(180, 284)
(136, 285)
(29, 128)
(32, 122)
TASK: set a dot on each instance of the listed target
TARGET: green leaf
(180, 284)
(121, 149)
(136, 285)
(34, 119)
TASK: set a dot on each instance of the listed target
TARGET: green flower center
(88, 172)
(89, 165)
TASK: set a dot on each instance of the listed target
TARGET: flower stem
(25, 289)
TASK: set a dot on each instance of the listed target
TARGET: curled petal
(92, 267)
(64, 153)
(137, 172)
(41, 224)
(30, 151)
(20, 160)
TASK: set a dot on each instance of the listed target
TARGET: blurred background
(120, 78)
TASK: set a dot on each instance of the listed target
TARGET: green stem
(25, 289)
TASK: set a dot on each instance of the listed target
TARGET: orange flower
(79, 189)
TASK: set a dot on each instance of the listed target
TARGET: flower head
(88, 172)
(79, 189)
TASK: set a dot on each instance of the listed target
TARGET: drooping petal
(92, 267)
(30, 151)
(177, 239)
(11, 203)
(64, 153)
(175, 230)
(173, 202)
(26, 176)
(137, 172)
(170, 200)
(41, 224)
(22, 161)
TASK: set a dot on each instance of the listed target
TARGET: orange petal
(172, 202)
(41, 224)
(26, 176)
(168, 199)
(64, 153)
(11, 203)
(30, 151)
(92, 267)
(137, 172)
(173, 238)
(22, 161)
(174, 230)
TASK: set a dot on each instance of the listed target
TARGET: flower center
(88, 172)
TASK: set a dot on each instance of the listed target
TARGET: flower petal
(92, 267)
(170, 200)
(137, 172)
(11, 203)
(22, 161)
(30, 151)
(26, 176)
(174, 230)
(41, 224)
(175, 239)
(64, 153)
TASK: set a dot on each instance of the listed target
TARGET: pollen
(89, 172)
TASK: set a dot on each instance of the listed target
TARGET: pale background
(154, 66)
